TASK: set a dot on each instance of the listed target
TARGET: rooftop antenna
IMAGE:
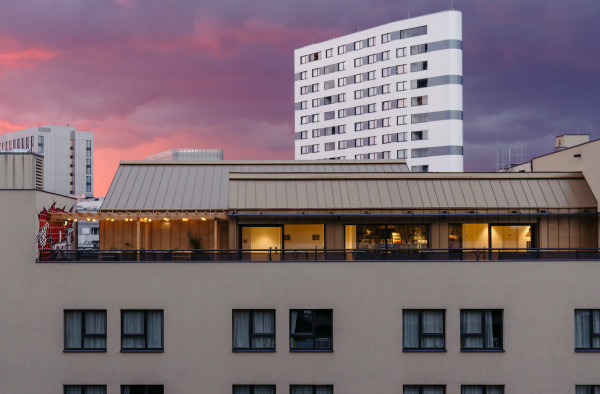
(451, 5)
(408, 12)
(357, 24)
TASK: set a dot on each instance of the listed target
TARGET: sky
(149, 75)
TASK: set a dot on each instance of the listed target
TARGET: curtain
(155, 329)
(410, 329)
(95, 323)
(324, 390)
(470, 323)
(582, 329)
(95, 390)
(263, 323)
(433, 323)
(596, 329)
(433, 390)
(133, 323)
(489, 330)
(241, 329)
(241, 389)
(73, 389)
(73, 330)
(293, 321)
(301, 390)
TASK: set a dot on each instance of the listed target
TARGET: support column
(137, 238)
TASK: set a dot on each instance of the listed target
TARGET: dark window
(84, 389)
(253, 389)
(142, 330)
(481, 329)
(424, 389)
(88, 148)
(40, 144)
(423, 329)
(311, 329)
(311, 389)
(85, 330)
(142, 389)
(253, 330)
(479, 389)
(587, 329)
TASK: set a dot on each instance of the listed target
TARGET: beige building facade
(358, 253)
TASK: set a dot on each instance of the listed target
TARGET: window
(371, 108)
(329, 115)
(385, 89)
(386, 38)
(142, 330)
(423, 329)
(418, 135)
(481, 329)
(424, 389)
(401, 52)
(88, 166)
(304, 119)
(314, 118)
(341, 113)
(372, 124)
(85, 330)
(401, 69)
(587, 329)
(371, 42)
(401, 120)
(314, 56)
(315, 72)
(341, 82)
(329, 84)
(358, 126)
(341, 97)
(329, 52)
(142, 389)
(416, 101)
(303, 89)
(357, 45)
(386, 105)
(479, 389)
(315, 87)
(358, 94)
(419, 83)
(84, 389)
(358, 110)
(370, 75)
(311, 329)
(386, 72)
(418, 66)
(303, 135)
(358, 62)
(253, 389)
(401, 86)
(303, 75)
(587, 389)
(310, 389)
(88, 148)
(303, 59)
(329, 146)
(417, 49)
(254, 330)
(88, 184)
(401, 154)
(385, 55)
(421, 168)
(341, 66)
(316, 133)
(40, 144)
(358, 78)
(303, 104)
(304, 150)
(371, 59)
(341, 49)
(385, 122)
(372, 92)
(401, 103)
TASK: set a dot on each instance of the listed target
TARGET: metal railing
(291, 255)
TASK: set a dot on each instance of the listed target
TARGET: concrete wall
(367, 298)
(18, 171)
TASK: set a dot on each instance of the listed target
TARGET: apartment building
(305, 277)
(68, 156)
(390, 92)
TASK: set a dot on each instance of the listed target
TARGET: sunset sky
(149, 75)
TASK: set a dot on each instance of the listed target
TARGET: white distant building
(392, 91)
(184, 154)
(68, 156)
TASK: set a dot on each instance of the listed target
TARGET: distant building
(88, 230)
(184, 154)
(68, 156)
(390, 92)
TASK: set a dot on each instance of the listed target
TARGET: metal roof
(163, 185)
(410, 191)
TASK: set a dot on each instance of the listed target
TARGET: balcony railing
(291, 255)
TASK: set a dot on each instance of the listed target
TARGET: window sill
(84, 351)
(587, 350)
(142, 350)
(482, 350)
(253, 351)
(424, 350)
(295, 350)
